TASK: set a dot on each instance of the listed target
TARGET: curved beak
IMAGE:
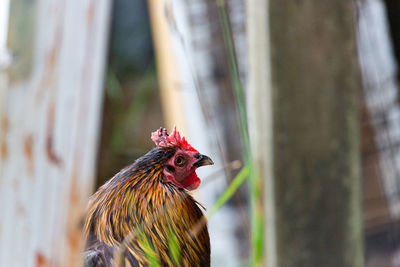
(203, 160)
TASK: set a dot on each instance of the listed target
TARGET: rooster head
(180, 169)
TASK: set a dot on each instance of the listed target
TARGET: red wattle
(191, 182)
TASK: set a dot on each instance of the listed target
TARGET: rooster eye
(179, 161)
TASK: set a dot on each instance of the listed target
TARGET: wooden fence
(51, 94)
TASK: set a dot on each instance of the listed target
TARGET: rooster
(141, 206)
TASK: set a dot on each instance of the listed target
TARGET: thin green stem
(255, 183)
(237, 84)
(229, 191)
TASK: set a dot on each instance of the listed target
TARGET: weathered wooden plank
(260, 118)
(170, 80)
(50, 128)
(315, 81)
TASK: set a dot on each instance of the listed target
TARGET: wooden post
(315, 82)
(260, 118)
(51, 106)
(170, 79)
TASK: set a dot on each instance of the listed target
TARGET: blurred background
(314, 85)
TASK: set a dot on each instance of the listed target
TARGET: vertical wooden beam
(49, 130)
(315, 81)
(4, 63)
(260, 116)
(163, 26)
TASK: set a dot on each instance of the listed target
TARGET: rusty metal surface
(48, 135)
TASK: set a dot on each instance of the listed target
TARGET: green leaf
(174, 248)
(228, 193)
(113, 86)
(150, 253)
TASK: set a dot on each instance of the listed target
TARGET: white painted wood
(260, 114)
(50, 128)
(4, 13)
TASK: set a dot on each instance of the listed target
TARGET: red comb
(162, 139)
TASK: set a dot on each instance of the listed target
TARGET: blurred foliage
(132, 106)
(174, 248)
(149, 250)
(129, 106)
(131, 48)
(21, 37)
(132, 110)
